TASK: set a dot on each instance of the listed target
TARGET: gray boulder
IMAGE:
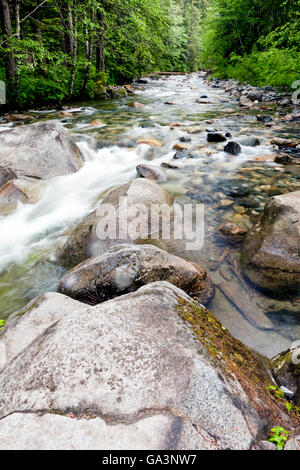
(255, 94)
(24, 326)
(125, 268)
(271, 250)
(126, 200)
(153, 368)
(152, 172)
(38, 151)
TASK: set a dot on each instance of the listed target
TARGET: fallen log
(243, 303)
(222, 258)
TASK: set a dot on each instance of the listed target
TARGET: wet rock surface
(85, 241)
(126, 268)
(271, 256)
(39, 151)
(152, 172)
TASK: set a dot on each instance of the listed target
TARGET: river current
(31, 236)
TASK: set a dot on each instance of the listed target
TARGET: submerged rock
(271, 251)
(125, 268)
(231, 232)
(85, 241)
(250, 141)
(264, 118)
(154, 369)
(136, 104)
(151, 142)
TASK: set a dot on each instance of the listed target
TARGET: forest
(54, 51)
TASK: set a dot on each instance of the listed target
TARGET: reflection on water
(233, 188)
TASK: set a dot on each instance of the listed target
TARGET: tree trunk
(39, 34)
(70, 31)
(10, 60)
(89, 52)
(74, 52)
(100, 65)
(18, 21)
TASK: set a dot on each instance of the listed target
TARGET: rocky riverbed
(127, 353)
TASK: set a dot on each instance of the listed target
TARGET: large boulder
(26, 325)
(125, 268)
(38, 151)
(154, 369)
(271, 250)
(126, 202)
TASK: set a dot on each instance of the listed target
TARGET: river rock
(136, 104)
(246, 102)
(180, 146)
(266, 445)
(97, 123)
(264, 118)
(293, 443)
(12, 192)
(116, 92)
(255, 94)
(39, 151)
(286, 367)
(286, 159)
(65, 114)
(150, 370)
(233, 147)
(17, 117)
(84, 242)
(231, 232)
(283, 142)
(125, 268)
(24, 326)
(151, 142)
(250, 141)
(151, 172)
(271, 251)
(215, 137)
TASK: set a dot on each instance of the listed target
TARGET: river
(31, 236)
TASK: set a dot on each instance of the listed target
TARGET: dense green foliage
(253, 40)
(51, 50)
(56, 50)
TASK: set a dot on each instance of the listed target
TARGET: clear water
(31, 236)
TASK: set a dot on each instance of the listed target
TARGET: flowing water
(31, 236)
